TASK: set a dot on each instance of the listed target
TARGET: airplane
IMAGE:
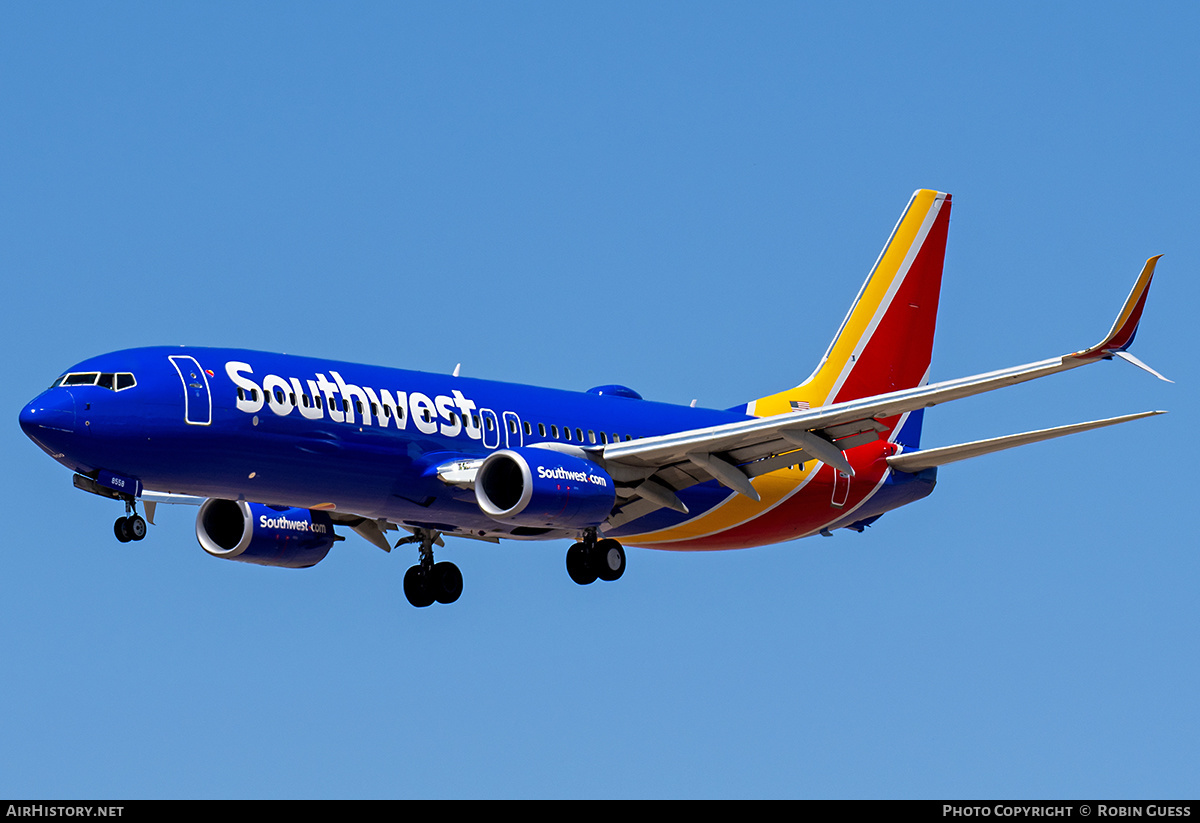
(277, 450)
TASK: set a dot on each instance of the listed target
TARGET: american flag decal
(799, 405)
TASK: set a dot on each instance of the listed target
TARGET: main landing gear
(427, 581)
(131, 526)
(590, 559)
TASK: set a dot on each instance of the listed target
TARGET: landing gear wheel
(135, 527)
(608, 559)
(120, 530)
(579, 565)
(447, 582)
(428, 581)
(416, 587)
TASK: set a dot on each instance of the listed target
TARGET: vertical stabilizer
(886, 341)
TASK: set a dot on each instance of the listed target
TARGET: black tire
(447, 582)
(135, 527)
(608, 559)
(579, 565)
(119, 529)
(416, 587)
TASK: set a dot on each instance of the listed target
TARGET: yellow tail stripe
(818, 388)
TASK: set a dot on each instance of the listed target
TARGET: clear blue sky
(681, 197)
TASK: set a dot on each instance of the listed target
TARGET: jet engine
(266, 535)
(544, 488)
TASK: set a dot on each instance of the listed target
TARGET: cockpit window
(108, 380)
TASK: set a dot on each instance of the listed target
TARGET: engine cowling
(544, 488)
(266, 535)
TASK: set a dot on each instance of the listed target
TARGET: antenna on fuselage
(456, 369)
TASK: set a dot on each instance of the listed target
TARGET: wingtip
(1125, 326)
(1129, 358)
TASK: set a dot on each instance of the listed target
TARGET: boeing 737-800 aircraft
(278, 450)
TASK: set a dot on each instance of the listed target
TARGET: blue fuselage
(310, 433)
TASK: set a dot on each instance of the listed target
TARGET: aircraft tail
(885, 343)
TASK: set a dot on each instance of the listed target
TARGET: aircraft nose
(52, 410)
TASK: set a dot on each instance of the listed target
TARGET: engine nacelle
(266, 535)
(544, 488)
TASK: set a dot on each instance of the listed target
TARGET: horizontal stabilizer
(928, 458)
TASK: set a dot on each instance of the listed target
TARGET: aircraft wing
(656, 467)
